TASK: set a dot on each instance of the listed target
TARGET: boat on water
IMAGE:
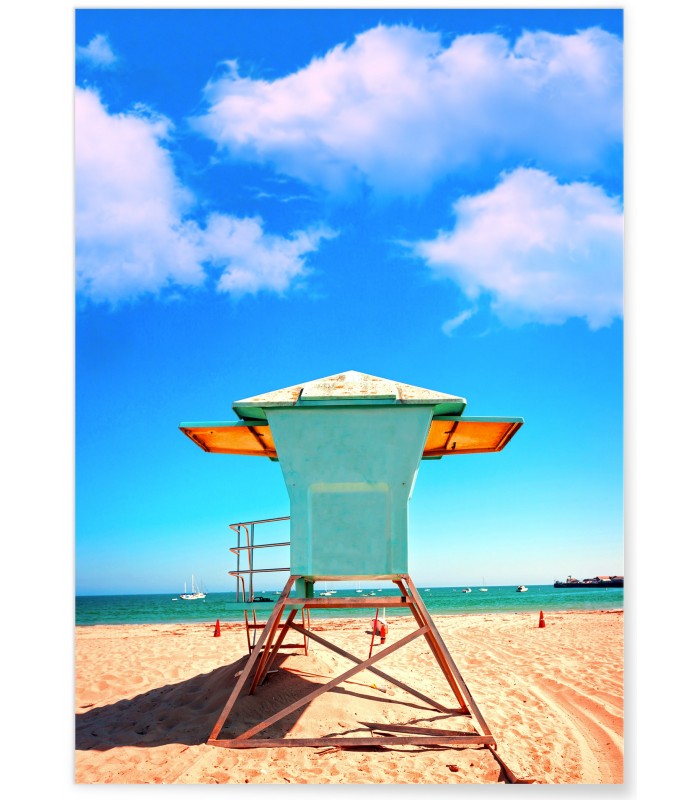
(195, 594)
(599, 582)
(521, 588)
(466, 591)
(483, 588)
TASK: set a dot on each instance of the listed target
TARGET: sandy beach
(148, 696)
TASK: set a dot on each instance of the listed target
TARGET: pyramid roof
(349, 387)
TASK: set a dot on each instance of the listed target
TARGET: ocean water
(159, 608)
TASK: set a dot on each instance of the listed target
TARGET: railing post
(238, 563)
(251, 551)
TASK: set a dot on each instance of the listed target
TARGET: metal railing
(245, 548)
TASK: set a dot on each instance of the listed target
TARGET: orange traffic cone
(217, 629)
(541, 620)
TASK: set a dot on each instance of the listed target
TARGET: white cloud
(541, 250)
(252, 260)
(451, 325)
(132, 231)
(131, 236)
(98, 53)
(399, 111)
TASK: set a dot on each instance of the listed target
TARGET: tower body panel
(349, 472)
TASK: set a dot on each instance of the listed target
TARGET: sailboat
(483, 588)
(195, 594)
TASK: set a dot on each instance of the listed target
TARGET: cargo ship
(599, 582)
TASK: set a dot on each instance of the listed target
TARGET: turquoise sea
(159, 608)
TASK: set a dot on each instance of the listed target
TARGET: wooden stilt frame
(266, 648)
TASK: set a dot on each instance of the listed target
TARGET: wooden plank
(360, 741)
(375, 671)
(249, 664)
(349, 602)
(512, 778)
(416, 729)
(330, 684)
(350, 578)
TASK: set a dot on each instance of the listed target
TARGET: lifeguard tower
(350, 446)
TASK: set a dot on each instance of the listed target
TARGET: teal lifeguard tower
(350, 446)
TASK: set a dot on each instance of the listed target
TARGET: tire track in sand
(600, 744)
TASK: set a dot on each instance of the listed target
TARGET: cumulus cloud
(134, 231)
(540, 250)
(98, 53)
(131, 235)
(397, 110)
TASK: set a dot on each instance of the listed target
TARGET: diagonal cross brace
(374, 670)
(331, 684)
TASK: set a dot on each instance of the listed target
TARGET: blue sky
(49, 548)
(265, 197)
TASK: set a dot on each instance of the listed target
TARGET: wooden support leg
(263, 661)
(264, 668)
(446, 654)
(250, 663)
(434, 646)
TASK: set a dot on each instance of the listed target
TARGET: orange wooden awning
(236, 438)
(458, 435)
(447, 436)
